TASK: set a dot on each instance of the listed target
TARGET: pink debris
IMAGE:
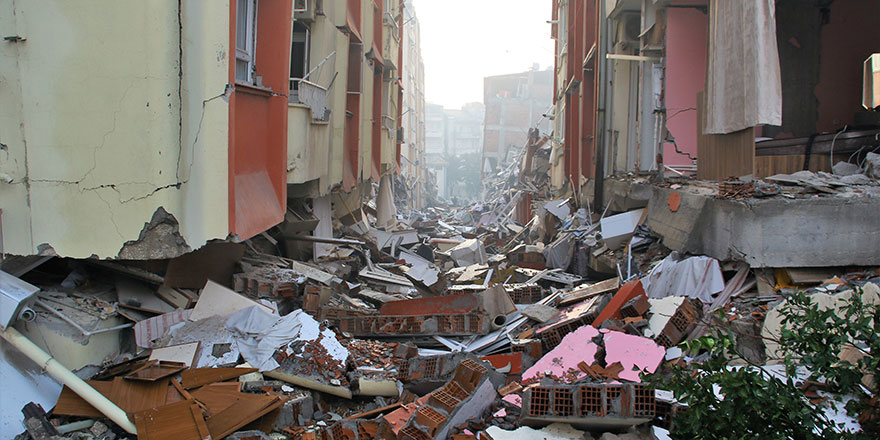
(513, 399)
(574, 348)
(632, 351)
(500, 413)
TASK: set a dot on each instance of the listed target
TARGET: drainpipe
(602, 63)
(65, 376)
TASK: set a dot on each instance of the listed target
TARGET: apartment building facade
(142, 130)
(412, 164)
(662, 87)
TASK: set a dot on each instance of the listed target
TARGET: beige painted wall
(315, 148)
(97, 131)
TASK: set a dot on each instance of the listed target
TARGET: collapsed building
(230, 296)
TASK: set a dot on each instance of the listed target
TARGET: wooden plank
(723, 155)
(135, 396)
(196, 377)
(156, 370)
(181, 420)
(70, 404)
(240, 413)
(766, 166)
(130, 396)
(218, 396)
(590, 291)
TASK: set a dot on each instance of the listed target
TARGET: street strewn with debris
(446, 323)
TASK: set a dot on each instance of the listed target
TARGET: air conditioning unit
(304, 10)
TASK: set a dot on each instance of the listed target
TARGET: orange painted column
(258, 124)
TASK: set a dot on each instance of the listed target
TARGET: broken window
(299, 54)
(245, 40)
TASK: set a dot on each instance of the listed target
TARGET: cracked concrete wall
(98, 132)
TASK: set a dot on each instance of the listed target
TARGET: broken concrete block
(525, 293)
(464, 397)
(569, 319)
(540, 312)
(635, 307)
(269, 282)
(299, 410)
(591, 406)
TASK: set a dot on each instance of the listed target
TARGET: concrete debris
(539, 312)
(555, 431)
(523, 316)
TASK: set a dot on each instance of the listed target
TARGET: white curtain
(744, 86)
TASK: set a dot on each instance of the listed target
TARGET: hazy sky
(466, 40)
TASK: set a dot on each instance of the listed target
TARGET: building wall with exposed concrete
(104, 123)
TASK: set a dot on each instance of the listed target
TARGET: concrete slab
(771, 232)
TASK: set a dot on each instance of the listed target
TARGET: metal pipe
(75, 426)
(76, 325)
(328, 240)
(66, 377)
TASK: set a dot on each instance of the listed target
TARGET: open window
(245, 40)
(299, 54)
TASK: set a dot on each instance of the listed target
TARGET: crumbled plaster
(160, 238)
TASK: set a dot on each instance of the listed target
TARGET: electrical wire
(832, 143)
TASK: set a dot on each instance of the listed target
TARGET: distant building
(514, 103)
(451, 133)
(464, 130)
(435, 144)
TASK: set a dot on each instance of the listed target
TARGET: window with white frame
(245, 40)
(299, 54)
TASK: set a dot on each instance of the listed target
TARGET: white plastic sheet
(694, 277)
(259, 334)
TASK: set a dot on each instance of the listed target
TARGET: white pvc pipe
(65, 376)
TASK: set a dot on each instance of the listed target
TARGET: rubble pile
(446, 323)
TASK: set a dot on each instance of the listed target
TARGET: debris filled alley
(253, 229)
